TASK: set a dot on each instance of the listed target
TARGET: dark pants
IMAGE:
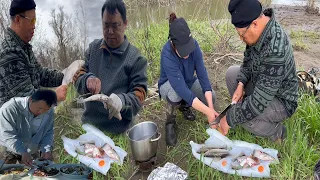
(267, 124)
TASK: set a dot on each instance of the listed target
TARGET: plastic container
(74, 175)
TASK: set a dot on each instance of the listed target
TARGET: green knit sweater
(122, 71)
(270, 65)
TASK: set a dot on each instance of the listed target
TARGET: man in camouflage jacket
(264, 87)
(20, 73)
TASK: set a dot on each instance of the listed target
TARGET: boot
(186, 111)
(171, 126)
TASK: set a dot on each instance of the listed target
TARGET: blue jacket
(16, 128)
(181, 72)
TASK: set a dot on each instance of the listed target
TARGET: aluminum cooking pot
(144, 139)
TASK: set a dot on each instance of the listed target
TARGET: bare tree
(4, 16)
(42, 47)
(67, 46)
(82, 19)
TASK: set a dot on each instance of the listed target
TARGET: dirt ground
(292, 18)
(297, 19)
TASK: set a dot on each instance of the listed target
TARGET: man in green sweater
(264, 87)
(115, 68)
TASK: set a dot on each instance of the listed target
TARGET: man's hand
(61, 92)
(238, 94)
(26, 159)
(114, 104)
(224, 126)
(94, 85)
(47, 155)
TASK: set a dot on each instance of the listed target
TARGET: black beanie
(243, 12)
(19, 6)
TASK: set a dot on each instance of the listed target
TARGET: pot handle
(156, 139)
(127, 133)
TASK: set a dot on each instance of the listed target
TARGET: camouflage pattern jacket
(270, 66)
(20, 73)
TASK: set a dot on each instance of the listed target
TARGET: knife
(221, 115)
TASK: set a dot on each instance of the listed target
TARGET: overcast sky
(44, 7)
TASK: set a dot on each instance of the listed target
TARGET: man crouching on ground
(265, 86)
(26, 126)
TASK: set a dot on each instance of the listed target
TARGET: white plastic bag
(237, 147)
(101, 165)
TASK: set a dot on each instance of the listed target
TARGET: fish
(262, 155)
(95, 97)
(109, 151)
(99, 97)
(205, 148)
(93, 151)
(242, 161)
(216, 153)
(70, 71)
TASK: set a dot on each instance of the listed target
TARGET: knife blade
(221, 115)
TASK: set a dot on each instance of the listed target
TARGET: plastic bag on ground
(236, 147)
(101, 165)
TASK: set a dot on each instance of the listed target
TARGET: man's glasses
(114, 26)
(32, 20)
(244, 33)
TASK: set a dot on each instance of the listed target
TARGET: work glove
(114, 105)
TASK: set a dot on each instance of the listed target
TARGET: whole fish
(95, 97)
(206, 148)
(216, 153)
(70, 71)
(262, 155)
(109, 151)
(98, 97)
